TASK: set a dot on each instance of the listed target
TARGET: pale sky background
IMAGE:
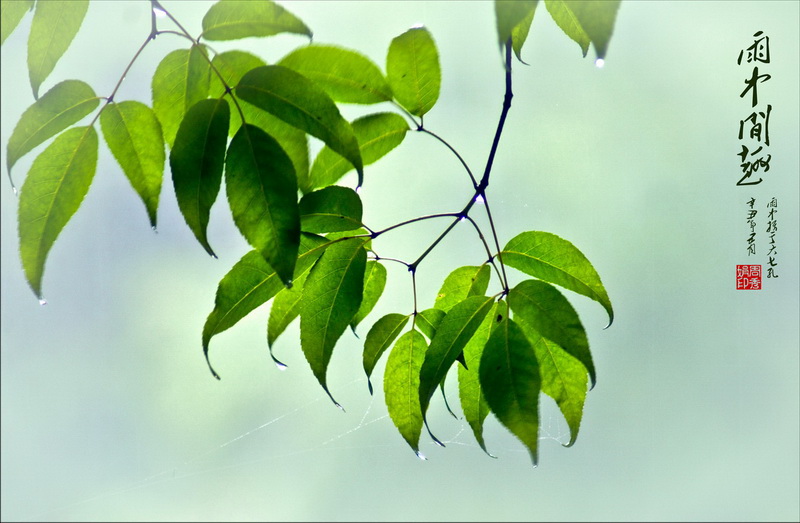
(109, 411)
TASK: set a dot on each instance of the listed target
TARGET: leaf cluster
(231, 118)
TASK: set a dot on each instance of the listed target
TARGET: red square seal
(748, 277)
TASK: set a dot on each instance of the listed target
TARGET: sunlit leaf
(553, 259)
(473, 403)
(401, 382)
(63, 105)
(412, 68)
(196, 161)
(331, 209)
(250, 283)
(10, 15)
(232, 65)
(55, 23)
(428, 321)
(331, 297)
(347, 76)
(374, 283)
(299, 102)
(461, 284)
(234, 19)
(180, 81)
(284, 309)
(563, 378)
(545, 309)
(514, 19)
(565, 19)
(597, 20)
(262, 194)
(380, 336)
(452, 334)
(133, 133)
(57, 182)
(509, 377)
(377, 134)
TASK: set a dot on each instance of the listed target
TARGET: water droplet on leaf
(421, 456)
(599, 63)
(42, 301)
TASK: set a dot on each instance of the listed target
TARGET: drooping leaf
(250, 283)
(380, 336)
(553, 259)
(180, 81)
(284, 309)
(412, 68)
(509, 377)
(401, 382)
(262, 194)
(347, 76)
(54, 189)
(563, 378)
(196, 161)
(374, 283)
(232, 65)
(428, 321)
(235, 19)
(453, 333)
(55, 23)
(461, 284)
(63, 105)
(473, 403)
(133, 133)
(597, 20)
(299, 102)
(10, 15)
(514, 19)
(331, 209)
(331, 297)
(563, 16)
(545, 309)
(377, 134)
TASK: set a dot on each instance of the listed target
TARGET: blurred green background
(108, 409)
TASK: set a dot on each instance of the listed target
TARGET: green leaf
(331, 209)
(232, 65)
(10, 15)
(563, 378)
(361, 232)
(374, 283)
(401, 382)
(250, 283)
(347, 76)
(180, 81)
(133, 133)
(63, 105)
(412, 68)
(377, 134)
(55, 23)
(456, 329)
(428, 321)
(54, 189)
(597, 20)
(555, 260)
(262, 194)
(563, 16)
(299, 102)
(514, 19)
(331, 297)
(234, 19)
(509, 376)
(196, 161)
(461, 284)
(284, 309)
(379, 338)
(473, 403)
(545, 309)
